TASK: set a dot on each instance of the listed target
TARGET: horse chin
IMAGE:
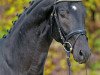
(82, 61)
(81, 57)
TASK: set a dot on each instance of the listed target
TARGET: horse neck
(28, 42)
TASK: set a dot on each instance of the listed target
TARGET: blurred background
(56, 61)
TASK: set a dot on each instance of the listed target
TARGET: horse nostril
(80, 53)
(81, 56)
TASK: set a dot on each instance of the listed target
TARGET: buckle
(67, 48)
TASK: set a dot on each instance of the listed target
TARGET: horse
(24, 50)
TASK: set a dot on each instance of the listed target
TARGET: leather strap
(57, 1)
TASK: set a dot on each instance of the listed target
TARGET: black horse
(24, 50)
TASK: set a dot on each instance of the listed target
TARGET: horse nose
(83, 56)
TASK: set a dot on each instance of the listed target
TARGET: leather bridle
(65, 38)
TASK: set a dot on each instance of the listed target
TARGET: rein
(67, 45)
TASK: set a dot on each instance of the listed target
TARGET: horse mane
(32, 5)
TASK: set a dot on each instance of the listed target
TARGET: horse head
(68, 28)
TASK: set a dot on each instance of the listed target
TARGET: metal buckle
(70, 48)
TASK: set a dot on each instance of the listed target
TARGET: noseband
(67, 45)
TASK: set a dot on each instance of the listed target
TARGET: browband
(68, 0)
(57, 1)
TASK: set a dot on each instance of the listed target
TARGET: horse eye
(63, 14)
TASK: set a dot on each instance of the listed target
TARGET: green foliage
(56, 61)
(93, 22)
(9, 9)
(95, 72)
(95, 66)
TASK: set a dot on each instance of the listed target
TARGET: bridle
(67, 45)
